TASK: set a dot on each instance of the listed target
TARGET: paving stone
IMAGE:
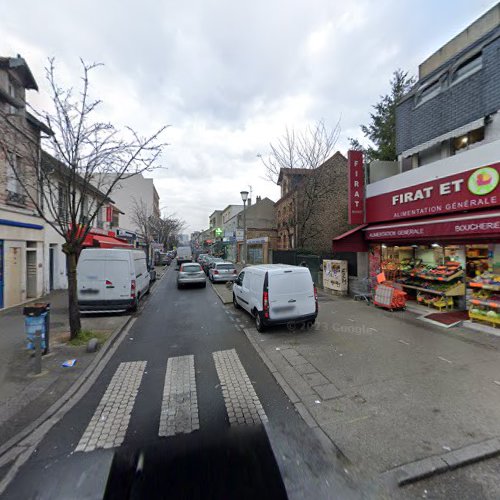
(327, 391)
(314, 379)
(304, 368)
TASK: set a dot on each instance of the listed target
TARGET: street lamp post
(244, 197)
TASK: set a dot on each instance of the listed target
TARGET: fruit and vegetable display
(485, 300)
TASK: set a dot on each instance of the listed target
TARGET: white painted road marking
(242, 403)
(444, 359)
(179, 409)
(496, 382)
(404, 342)
(109, 423)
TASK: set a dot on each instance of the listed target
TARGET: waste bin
(37, 317)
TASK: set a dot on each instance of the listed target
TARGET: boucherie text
(427, 192)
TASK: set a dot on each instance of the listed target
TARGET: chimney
(258, 199)
(249, 202)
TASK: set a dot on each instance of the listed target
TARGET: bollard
(37, 340)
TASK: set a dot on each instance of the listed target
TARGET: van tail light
(265, 304)
(132, 289)
(109, 282)
(316, 297)
(215, 271)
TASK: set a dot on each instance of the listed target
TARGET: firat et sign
(478, 188)
(356, 190)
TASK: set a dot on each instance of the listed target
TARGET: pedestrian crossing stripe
(179, 406)
(109, 423)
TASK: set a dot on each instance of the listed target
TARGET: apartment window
(463, 142)
(99, 222)
(13, 168)
(428, 92)
(467, 68)
(62, 201)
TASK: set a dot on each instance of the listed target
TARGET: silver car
(191, 273)
(222, 271)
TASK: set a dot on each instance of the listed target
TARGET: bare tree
(90, 155)
(167, 229)
(303, 156)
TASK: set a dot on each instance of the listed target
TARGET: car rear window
(191, 268)
(291, 282)
(225, 266)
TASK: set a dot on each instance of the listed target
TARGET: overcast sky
(229, 75)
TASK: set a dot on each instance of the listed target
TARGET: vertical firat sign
(356, 187)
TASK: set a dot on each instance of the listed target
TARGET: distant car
(222, 272)
(209, 263)
(191, 273)
(202, 257)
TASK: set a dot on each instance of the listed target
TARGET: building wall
(135, 188)
(16, 241)
(456, 105)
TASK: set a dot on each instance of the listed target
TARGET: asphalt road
(223, 458)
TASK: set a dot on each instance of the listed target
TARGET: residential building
(229, 212)
(21, 228)
(454, 105)
(313, 205)
(130, 192)
(215, 224)
(261, 227)
(56, 179)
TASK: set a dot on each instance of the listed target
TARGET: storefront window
(447, 277)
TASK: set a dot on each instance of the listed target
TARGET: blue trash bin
(37, 317)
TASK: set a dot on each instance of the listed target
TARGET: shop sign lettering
(356, 187)
(473, 189)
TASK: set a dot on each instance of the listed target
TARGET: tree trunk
(74, 312)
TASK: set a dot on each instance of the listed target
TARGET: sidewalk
(389, 390)
(23, 396)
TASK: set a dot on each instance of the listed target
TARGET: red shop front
(100, 238)
(440, 239)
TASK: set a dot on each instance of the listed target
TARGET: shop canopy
(101, 241)
(467, 227)
(350, 241)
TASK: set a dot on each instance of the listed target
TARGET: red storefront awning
(350, 241)
(101, 241)
(457, 227)
(109, 242)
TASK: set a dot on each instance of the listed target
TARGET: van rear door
(291, 294)
(91, 280)
(117, 278)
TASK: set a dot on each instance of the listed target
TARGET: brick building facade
(313, 205)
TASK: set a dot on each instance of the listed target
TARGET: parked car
(111, 279)
(211, 260)
(191, 273)
(222, 272)
(202, 257)
(276, 294)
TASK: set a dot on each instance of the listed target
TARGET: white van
(111, 279)
(276, 294)
(184, 254)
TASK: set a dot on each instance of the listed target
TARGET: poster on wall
(335, 275)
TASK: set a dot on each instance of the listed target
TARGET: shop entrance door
(13, 266)
(30, 274)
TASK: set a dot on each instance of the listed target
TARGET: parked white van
(111, 279)
(276, 294)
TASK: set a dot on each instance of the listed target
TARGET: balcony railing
(15, 198)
